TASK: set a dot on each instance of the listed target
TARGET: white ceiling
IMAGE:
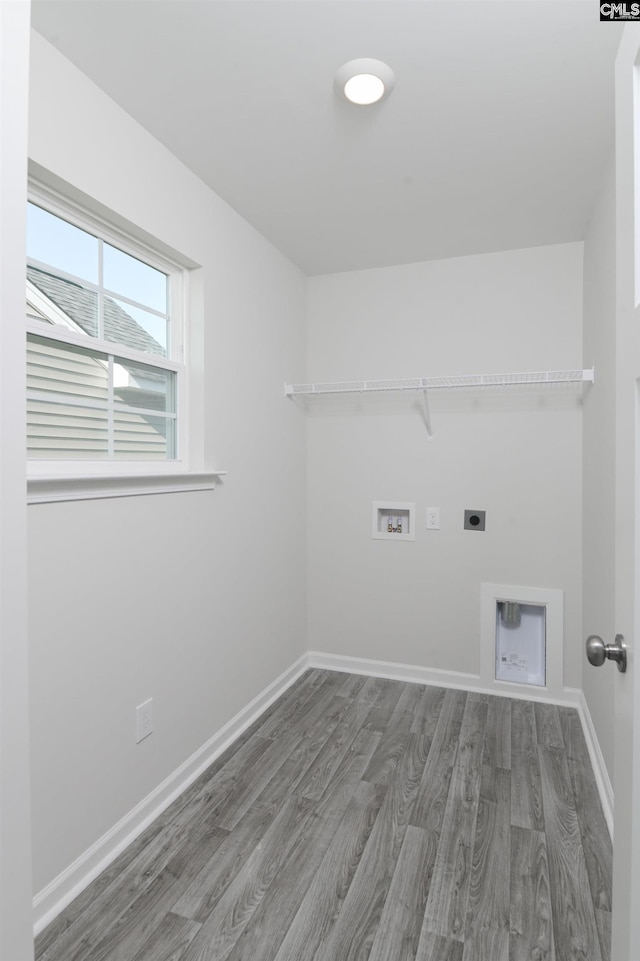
(494, 137)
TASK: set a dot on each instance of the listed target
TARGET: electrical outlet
(144, 720)
(433, 518)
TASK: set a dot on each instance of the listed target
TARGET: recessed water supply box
(522, 637)
(393, 520)
(521, 643)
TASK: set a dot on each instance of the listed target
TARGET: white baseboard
(605, 788)
(68, 885)
(417, 674)
(73, 880)
(392, 670)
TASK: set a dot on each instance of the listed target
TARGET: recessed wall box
(393, 520)
(521, 643)
(474, 520)
(522, 638)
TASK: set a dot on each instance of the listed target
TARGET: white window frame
(67, 479)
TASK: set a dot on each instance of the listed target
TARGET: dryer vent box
(474, 520)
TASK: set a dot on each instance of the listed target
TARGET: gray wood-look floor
(363, 818)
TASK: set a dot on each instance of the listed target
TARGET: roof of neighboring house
(79, 305)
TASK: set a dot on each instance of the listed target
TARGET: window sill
(47, 490)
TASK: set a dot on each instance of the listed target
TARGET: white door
(16, 892)
(626, 869)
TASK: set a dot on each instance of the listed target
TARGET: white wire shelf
(457, 382)
(537, 378)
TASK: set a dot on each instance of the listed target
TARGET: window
(105, 360)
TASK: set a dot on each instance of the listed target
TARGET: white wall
(16, 942)
(518, 456)
(598, 438)
(194, 599)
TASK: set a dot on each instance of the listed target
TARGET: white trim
(52, 899)
(603, 781)
(47, 490)
(416, 674)
(392, 670)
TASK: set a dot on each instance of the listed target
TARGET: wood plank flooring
(363, 819)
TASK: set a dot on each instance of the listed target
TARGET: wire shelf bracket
(458, 382)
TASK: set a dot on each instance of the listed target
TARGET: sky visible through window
(65, 247)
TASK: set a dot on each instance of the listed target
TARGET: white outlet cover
(433, 518)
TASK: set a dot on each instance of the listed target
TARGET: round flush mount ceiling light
(365, 81)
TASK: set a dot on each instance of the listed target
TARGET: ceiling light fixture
(365, 81)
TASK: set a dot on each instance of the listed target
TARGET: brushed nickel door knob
(598, 652)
